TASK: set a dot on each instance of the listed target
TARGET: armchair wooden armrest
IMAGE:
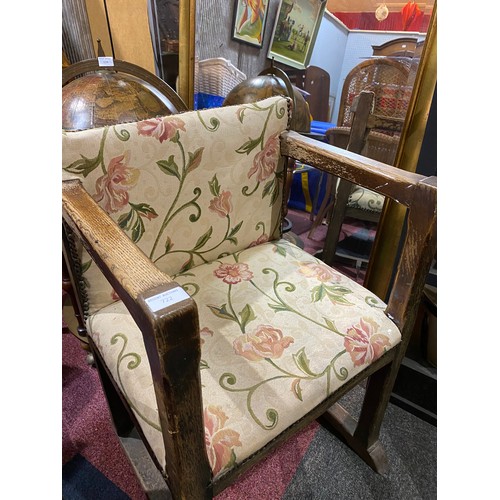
(354, 167)
(416, 192)
(171, 333)
(113, 251)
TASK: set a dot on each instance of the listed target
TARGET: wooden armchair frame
(172, 339)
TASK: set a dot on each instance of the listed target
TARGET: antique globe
(268, 85)
(107, 98)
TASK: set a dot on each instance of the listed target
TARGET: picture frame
(249, 21)
(295, 30)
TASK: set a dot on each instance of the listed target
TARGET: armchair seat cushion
(280, 331)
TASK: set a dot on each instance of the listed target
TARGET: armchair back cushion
(170, 184)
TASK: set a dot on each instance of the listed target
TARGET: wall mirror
(392, 44)
(157, 35)
(352, 33)
(388, 48)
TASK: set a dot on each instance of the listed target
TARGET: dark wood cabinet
(316, 82)
(170, 69)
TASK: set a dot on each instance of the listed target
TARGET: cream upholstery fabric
(187, 187)
(365, 199)
(280, 332)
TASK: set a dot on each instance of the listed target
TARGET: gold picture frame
(295, 30)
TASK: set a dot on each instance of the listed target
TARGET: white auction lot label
(106, 61)
(166, 299)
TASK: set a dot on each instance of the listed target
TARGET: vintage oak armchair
(214, 338)
(372, 111)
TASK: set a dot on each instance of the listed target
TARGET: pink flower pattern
(149, 215)
(162, 129)
(319, 271)
(219, 440)
(265, 342)
(363, 342)
(265, 162)
(233, 273)
(221, 205)
(263, 238)
(112, 188)
(207, 332)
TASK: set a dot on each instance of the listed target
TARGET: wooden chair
(316, 82)
(388, 80)
(373, 136)
(215, 339)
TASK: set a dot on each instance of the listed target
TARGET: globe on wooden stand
(270, 82)
(94, 95)
(107, 98)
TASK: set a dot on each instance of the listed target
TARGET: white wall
(338, 50)
(328, 53)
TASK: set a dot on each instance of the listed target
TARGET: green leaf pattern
(271, 297)
(114, 181)
(162, 184)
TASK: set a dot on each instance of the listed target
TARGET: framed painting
(249, 21)
(295, 30)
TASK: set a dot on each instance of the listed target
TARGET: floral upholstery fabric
(365, 199)
(280, 331)
(186, 188)
(381, 147)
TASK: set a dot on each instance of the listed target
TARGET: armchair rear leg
(363, 435)
(118, 411)
(67, 286)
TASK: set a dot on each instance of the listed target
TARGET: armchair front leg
(419, 195)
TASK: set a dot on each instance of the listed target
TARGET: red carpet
(86, 424)
(87, 432)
